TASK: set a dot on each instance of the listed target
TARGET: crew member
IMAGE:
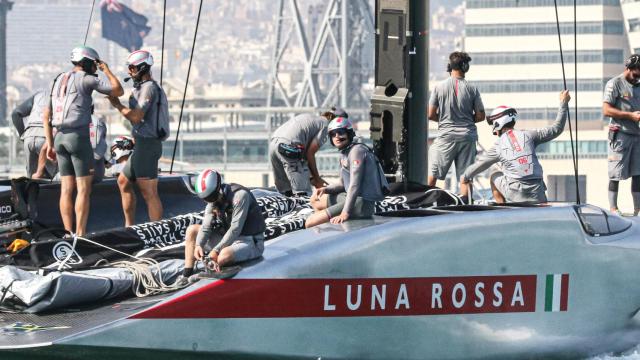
(521, 179)
(293, 146)
(243, 225)
(27, 119)
(98, 137)
(69, 111)
(456, 106)
(121, 149)
(362, 181)
(148, 110)
(622, 106)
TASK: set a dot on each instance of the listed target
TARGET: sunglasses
(339, 132)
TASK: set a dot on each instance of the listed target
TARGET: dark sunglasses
(339, 132)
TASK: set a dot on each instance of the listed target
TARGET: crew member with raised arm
(521, 179)
(362, 181)
(233, 227)
(148, 113)
(622, 106)
(293, 149)
(457, 106)
(69, 112)
(27, 119)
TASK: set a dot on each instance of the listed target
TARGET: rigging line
(164, 18)
(564, 80)
(86, 34)
(575, 99)
(186, 83)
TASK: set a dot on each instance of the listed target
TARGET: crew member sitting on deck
(233, 227)
(362, 180)
(521, 179)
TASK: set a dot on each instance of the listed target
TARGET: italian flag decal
(556, 292)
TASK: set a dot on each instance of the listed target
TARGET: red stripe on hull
(285, 298)
(564, 293)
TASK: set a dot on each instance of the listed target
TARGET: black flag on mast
(122, 25)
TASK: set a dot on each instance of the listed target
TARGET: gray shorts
(32, 147)
(143, 162)
(244, 248)
(445, 151)
(513, 190)
(624, 156)
(288, 174)
(362, 209)
(74, 152)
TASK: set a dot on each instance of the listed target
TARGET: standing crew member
(70, 113)
(521, 179)
(293, 146)
(622, 106)
(27, 119)
(148, 112)
(456, 106)
(241, 236)
(362, 181)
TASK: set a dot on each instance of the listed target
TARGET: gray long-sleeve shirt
(515, 150)
(360, 175)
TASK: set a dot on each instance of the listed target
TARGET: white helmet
(208, 185)
(501, 116)
(80, 53)
(142, 60)
(338, 124)
(121, 146)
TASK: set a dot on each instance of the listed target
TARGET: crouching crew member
(293, 148)
(622, 106)
(362, 181)
(148, 113)
(521, 179)
(27, 119)
(241, 236)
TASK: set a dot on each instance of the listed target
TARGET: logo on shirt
(356, 163)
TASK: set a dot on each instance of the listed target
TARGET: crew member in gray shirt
(233, 227)
(69, 112)
(622, 106)
(362, 181)
(27, 119)
(148, 109)
(521, 179)
(293, 148)
(456, 106)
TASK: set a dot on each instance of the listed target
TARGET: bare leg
(496, 193)
(67, 187)
(317, 218)
(149, 190)
(319, 203)
(128, 197)
(42, 161)
(226, 257)
(190, 245)
(83, 203)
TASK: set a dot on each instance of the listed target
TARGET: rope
(164, 17)
(73, 250)
(564, 80)
(184, 95)
(86, 34)
(575, 97)
(146, 282)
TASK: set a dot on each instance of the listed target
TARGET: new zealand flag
(122, 25)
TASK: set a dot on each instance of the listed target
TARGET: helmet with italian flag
(208, 184)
